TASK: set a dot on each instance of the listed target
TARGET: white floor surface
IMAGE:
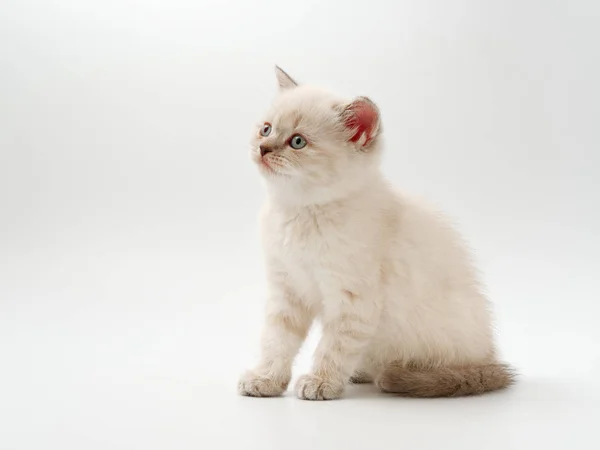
(107, 346)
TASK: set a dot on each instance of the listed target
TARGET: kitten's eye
(297, 142)
(265, 130)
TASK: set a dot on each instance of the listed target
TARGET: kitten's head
(312, 145)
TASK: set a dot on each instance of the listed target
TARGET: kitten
(391, 282)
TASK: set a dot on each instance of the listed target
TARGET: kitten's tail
(445, 381)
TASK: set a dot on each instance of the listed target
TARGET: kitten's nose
(264, 149)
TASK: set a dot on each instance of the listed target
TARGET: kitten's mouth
(267, 167)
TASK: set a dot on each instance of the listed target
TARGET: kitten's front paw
(254, 385)
(312, 387)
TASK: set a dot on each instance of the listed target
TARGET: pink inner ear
(361, 115)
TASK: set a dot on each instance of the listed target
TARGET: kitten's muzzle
(264, 149)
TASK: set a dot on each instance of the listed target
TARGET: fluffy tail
(445, 381)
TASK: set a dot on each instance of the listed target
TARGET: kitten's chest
(305, 238)
(322, 249)
(309, 241)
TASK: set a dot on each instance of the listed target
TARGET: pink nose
(264, 150)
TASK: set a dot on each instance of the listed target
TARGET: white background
(131, 284)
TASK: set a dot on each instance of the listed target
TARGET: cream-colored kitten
(391, 281)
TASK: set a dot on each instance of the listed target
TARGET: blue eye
(297, 142)
(265, 130)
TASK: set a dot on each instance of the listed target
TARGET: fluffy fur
(390, 280)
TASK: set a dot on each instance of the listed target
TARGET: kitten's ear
(361, 119)
(284, 80)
